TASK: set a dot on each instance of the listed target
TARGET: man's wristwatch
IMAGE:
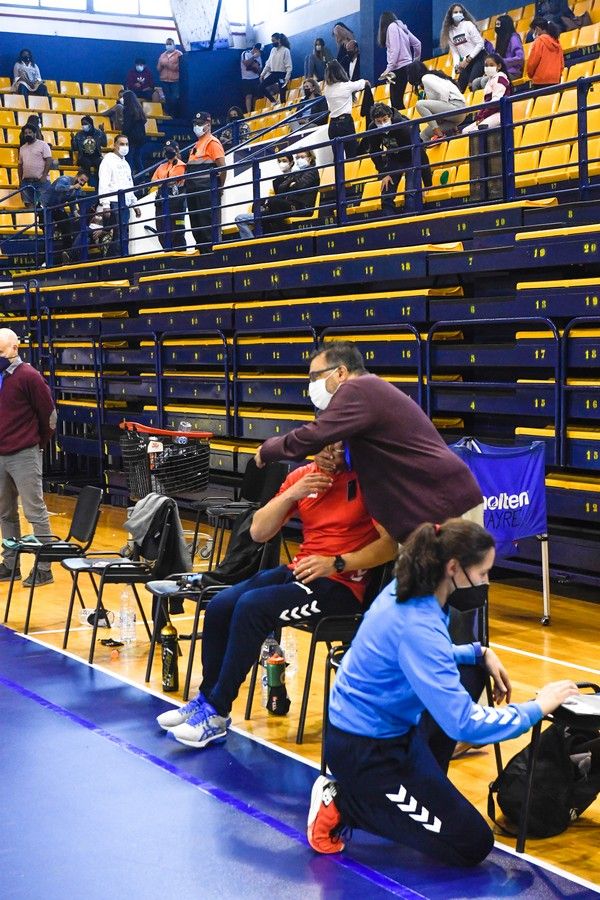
(339, 564)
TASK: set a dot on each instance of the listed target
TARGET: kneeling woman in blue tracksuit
(396, 682)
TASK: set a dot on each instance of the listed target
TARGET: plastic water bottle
(127, 633)
(269, 648)
(290, 652)
(183, 426)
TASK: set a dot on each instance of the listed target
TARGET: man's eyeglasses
(312, 376)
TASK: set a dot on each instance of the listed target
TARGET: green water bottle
(278, 702)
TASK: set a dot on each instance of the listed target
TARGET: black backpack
(243, 555)
(566, 780)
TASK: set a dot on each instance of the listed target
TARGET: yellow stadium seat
(589, 35)
(528, 12)
(461, 186)
(62, 104)
(595, 11)
(7, 118)
(534, 134)
(112, 90)
(12, 136)
(5, 84)
(436, 153)
(10, 200)
(593, 149)
(14, 175)
(152, 127)
(104, 121)
(545, 105)
(381, 93)
(581, 7)
(154, 110)
(70, 88)
(439, 190)
(516, 14)
(22, 116)
(580, 70)
(9, 156)
(482, 24)
(593, 121)
(521, 110)
(73, 122)
(559, 155)
(526, 162)
(52, 86)
(25, 220)
(4, 177)
(90, 89)
(102, 104)
(52, 120)
(563, 129)
(63, 139)
(39, 103)
(568, 101)
(49, 137)
(569, 40)
(457, 149)
(6, 221)
(85, 105)
(14, 101)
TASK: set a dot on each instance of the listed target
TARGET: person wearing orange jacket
(546, 60)
(170, 199)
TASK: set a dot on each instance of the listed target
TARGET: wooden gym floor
(532, 653)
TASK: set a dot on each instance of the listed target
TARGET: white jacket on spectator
(114, 174)
(464, 40)
(339, 96)
(280, 60)
(437, 88)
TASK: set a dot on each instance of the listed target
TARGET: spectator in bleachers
(206, 154)
(405, 470)
(392, 153)
(140, 80)
(294, 194)
(497, 86)
(338, 93)
(251, 67)
(34, 122)
(316, 113)
(134, 128)
(546, 60)
(315, 62)
(509, 46)
(66, 191)
(340, 545)
(35, 161)
(170, 198)
(237, 131)
(27, 79)
(86, 147)
(342, 35)
(402, 48)
(440, 97)
(556, 11)
(353, 60)
(115, 175)
(115, 113)
(168, 73)
(278, 68)
(462, 37)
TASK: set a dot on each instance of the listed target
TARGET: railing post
(165, 202)
(256, 211)
(583, 86)
(339, 159)
(413, 183)
(123, 213)
(507, 138)
(215, 206)
(48, 219)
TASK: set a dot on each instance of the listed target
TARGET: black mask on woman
(469, 598)
(170, 153)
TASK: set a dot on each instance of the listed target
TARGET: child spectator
(338, 93)
(402, 48)
(168, 73)
(509, 46)
(251, 67)
(439, 97)
(140, 80)
(546, 60)
(315, 62)
(27, 79)
(278, 68)
(461, 35)
(87, 146)
(498, 86)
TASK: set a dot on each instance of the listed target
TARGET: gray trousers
(21, 476)
(440, 109)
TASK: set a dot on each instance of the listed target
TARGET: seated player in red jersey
(327, 577)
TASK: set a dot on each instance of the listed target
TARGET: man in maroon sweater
(27, 422)
(406, 472)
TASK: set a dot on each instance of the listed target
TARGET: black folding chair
(103, 570)
(76, 544)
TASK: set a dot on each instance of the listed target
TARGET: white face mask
(123, 149)
(199, 130)
(385, 124)
(457, 18)
(490, 71)
(302, 162)
(285, 166)
(139, 68)
(121, 101)
(87, 127)
(169, 47)
(318, 393)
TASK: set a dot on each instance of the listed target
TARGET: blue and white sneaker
(173, 717)
(204, 727)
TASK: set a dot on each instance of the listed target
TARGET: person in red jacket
(28, 420)
(140, 80)
(546, 60)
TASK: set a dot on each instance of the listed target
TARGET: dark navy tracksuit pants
(398, 788)
(239, 618)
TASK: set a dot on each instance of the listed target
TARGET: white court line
(550, 659)
(550, 867)
(89, 627)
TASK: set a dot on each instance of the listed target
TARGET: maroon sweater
(27, 414)
(406, 472)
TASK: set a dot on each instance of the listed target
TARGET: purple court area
(99, 803)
